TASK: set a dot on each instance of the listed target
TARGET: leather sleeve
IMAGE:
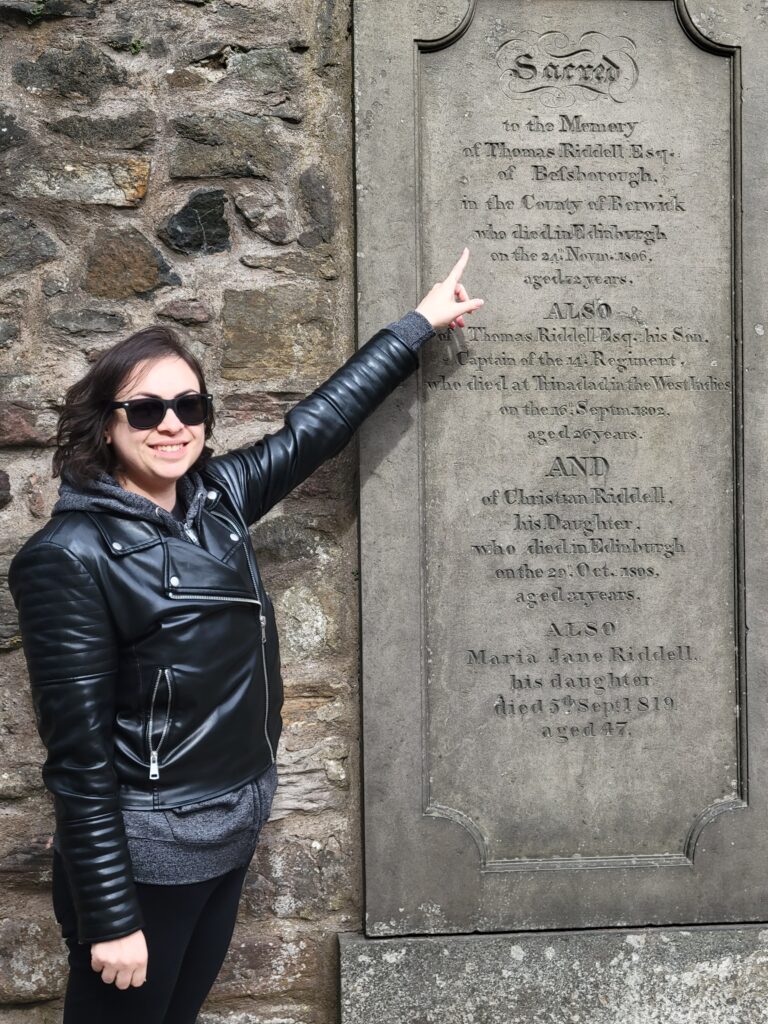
(257, 477)
(71, 655)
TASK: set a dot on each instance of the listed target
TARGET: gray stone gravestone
(562, 513)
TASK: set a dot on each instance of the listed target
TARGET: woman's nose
(170, 423)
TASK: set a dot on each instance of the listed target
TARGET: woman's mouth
(169, 449)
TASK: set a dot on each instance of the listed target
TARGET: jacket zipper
(263, 624)
(154, 766)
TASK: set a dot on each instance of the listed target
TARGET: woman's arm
(71, 653)
(258, 476)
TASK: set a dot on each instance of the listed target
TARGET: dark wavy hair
(82, 453)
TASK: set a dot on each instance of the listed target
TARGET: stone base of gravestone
(656, 976)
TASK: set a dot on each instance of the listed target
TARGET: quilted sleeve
(71, 653)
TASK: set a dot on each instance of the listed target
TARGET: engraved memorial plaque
(579, 449)
(556, 709)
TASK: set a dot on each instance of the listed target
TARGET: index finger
(458, 269)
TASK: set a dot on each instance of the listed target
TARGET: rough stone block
(80, 73)
(293, 877)
(118, 182)
(9, 620)
(124, 264)
(266, 214)
(5, 489)
(23, 245)
(33, 964)
(290, 1014)
(283, 539)
(312, 779)
(126, 131)
(312, 264)
(287, 963)
(185, 311)
(9, 332)
(277, 334)
(318, 199)
(221, 144)
(200, 226)
(22, 423)
(11, 133)
(87, 321)
(672, 976)
(36, 10)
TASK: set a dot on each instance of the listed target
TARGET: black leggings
(188, 929)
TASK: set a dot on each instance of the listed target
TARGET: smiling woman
(98, 435)
(152, 459)
(153, 655)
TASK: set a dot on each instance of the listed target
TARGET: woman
(153, 656)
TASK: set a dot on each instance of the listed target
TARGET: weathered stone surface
(266, 214)
(23, 245)
(316, 193)
(117, 182)
(124, 264)
(9, 331)
(80, 73)
(43, 1013)
(307, 623)
(34, 492)
(54, 286)
(23, 424)
(9, 620)
(276, 333)
(11, 133)
(31, 861)
(5, 489)
(247, 406)
(281, 538)
(70, 8)
(311, 263)
(38, 9)
(33, 965)
(289, 1014)
(129, 42)
(87, 321)
(312, 779)
(261, 80)
(186, 311)
(286, 963)
(292, 877)
(220, 144)
(697, 976)
(200, 225)
(126, 131)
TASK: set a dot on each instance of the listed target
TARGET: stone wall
(189, 162)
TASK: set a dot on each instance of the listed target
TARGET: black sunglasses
(145, 413)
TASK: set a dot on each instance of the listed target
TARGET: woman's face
(149, 462)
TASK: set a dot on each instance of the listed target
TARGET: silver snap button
(233, 536)
(212, 495)
(174, 581)
(117, 545)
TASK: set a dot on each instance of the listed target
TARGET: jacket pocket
(158, 718)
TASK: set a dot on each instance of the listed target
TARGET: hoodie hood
(104, 494)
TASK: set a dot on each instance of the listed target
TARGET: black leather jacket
(154, 662)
